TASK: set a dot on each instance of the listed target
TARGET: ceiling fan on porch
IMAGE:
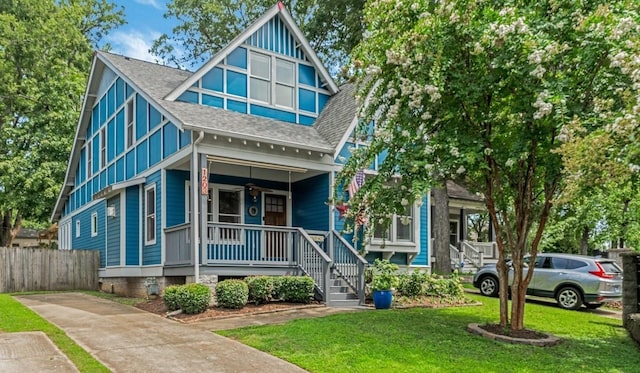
(254, 190)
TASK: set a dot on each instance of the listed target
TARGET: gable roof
(338, 115)
(242, 37)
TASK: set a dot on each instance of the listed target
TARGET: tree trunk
(441, 230)
(584, 241)
(8, 229)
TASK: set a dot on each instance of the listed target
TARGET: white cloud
(134, 44)
(153, 3)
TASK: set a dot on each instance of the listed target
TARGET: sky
(144, 24)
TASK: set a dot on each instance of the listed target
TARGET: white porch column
(204, 229)
(195, 186)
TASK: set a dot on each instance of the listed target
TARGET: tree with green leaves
(489, 92)
(333, 27)
(45, 54)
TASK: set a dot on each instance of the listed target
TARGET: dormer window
(272, 80)
(284, 83)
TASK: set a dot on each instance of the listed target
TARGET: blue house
(183, 176)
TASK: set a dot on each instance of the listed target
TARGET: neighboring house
(26, 237)
(234, 162)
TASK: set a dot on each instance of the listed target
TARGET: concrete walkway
(126, 339)
(32, 352)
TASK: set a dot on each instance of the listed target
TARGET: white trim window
(89, 159)
(77, 228)
(94, 224)
(402, 230)
(260, 80)
(131, 128)
(150, 215)
(272, 80)
(285, 83)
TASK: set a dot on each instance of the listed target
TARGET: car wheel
(569, 298)
(593, 306)
(489, 286)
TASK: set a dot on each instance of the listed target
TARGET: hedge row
(190, 298)
(264, 289)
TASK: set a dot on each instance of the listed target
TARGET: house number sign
(204, 181)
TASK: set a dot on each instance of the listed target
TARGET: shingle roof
(457, 191)
(157, 81)
(338, 115)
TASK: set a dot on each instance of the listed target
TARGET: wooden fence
(46, 269)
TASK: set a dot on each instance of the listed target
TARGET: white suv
(573, 280)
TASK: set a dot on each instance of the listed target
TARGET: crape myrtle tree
(488, 91)
(45, 56)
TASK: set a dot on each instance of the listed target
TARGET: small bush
(195, 299)
(190, 298)
(171, 297)
(297, 289)
(412, 284)
(232, 293)
(276, 293)
(260, 289)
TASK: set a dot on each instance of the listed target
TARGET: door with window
(453, 232)
(275, 213)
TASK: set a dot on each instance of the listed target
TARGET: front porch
(247, 249)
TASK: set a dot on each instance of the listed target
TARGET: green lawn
(435, 340)
(14, 317)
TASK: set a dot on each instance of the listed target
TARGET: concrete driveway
(126, 339)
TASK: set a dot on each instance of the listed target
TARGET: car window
(539, 262)
(610, 267)
(559, 263)
(575, 264)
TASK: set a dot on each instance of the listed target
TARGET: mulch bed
(522, 334)
(157, 306)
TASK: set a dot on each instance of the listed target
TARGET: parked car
(572, 280)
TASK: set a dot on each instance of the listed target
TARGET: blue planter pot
(382, 299)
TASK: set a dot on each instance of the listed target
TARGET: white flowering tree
(488, 92)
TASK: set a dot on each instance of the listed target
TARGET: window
(150, 214)
(94, 224)
(89, 159)
(77, 228)
(284, 83)
(260, 77)
(131, 130)
(103, 147)
(400, 230)
(229, 206)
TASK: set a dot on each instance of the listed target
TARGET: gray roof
(338, 115)
(157, 81)
(457, 191)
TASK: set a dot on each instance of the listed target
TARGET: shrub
(412, 284)
(195, 299)
(232, 293)
(171, 297)
(384, 275)
(298, 289)
(260, 289)
(276, 293)
(190, 298)
(444, 287)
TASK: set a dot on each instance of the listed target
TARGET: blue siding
(131, 164)
(95, 147)
(120, 132)
(152, 254)
(111, 140)
(175, 189)
(82, 166)
(155, 118)
(120, 170)
(273, 113)
(322, 101)
(132, 224)
(141, 156)
(142, 121)
(95, 121)
(306, 75)
(310, 210)
(189, 96)
(155, 148)
(85, 241)
(212, 101)
(111, 174)
(113, 234)
(423, 256)
(111, 101)
(119, 92)
(275, 36)
(185, 138)
(213, 79)
(307, 100)
(240, 107)
(236, 84)
(170, 140)
(306, 120)
(238, 58)
(103, 179)
(103, 113)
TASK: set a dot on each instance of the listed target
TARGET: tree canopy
(333, 27)
(490, 92)
(45, 55)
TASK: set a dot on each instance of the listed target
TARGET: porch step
(341, 295)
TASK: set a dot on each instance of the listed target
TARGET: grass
(435, 340)
(15, 317)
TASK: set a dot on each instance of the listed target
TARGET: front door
(275, 213)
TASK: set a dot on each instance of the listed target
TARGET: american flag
(356, 183)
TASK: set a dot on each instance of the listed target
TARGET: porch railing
(348, 264)
(474, 256)
(456, 256)
(488, 249)
(178, 244)
(314, 262)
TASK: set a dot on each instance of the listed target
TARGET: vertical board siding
(113, 234)
(310, 210)
(151, 254)
(47, 270)
(132, 224)
(422, 258)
